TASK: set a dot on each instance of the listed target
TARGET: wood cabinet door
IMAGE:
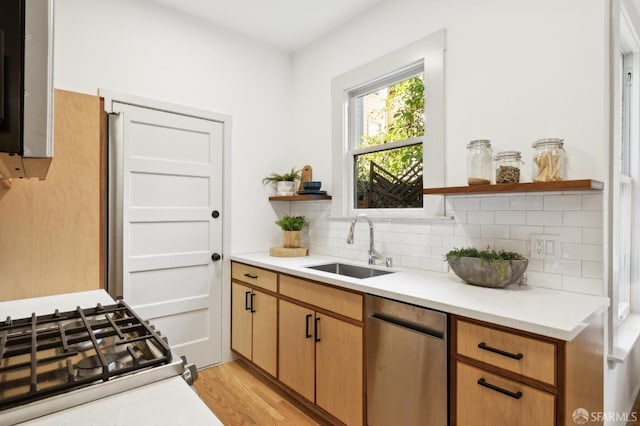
(480, 401)
(339, 369)
(241, 319)
(296, 346)
(265, 331)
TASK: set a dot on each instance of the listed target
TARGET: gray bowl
(485, 273)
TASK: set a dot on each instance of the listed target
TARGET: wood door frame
(110, 97)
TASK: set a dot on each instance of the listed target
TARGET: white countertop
(558, 314)
(166, 402)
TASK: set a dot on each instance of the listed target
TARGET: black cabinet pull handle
(307, 332)
(484, 346)
(248, 275)
(514, 395)
(317, 329)
(246, 301)
(253, 302)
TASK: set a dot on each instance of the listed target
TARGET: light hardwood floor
(238, 396)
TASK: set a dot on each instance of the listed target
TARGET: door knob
(215, 214)
(215, 257)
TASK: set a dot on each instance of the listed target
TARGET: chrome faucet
(373, 254)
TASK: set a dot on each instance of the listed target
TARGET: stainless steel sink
(349, 270)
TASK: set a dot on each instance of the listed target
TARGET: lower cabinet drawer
(487, 399)
(523, 355)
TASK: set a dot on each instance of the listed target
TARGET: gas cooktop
(45, 356)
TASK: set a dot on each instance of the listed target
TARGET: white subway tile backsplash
(501, 222)
(593, 269)
(590, 252)
(563, 267)
(524, 232)
(480, 217)
(583, 285)
(567, 234)
(467, 230)
(585, 219)
(592, 235)
(466, 203)
(592, 202)
(525, 202)
(544, 218)
(494, 231)
(541, 279)
(442, 229)
(535, 265)
(511, 217)
(494, 203)
(562, 202)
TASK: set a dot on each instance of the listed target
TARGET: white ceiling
(287, 24)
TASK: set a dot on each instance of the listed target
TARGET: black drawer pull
(307, 331)
(253, 302)
(246, 301)
(248, 275)
(483, 345)
(514, 395)
(317, 329)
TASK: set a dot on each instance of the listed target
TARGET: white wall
(142, 48)
(516, 71)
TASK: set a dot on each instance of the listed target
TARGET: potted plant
(291, 227)
(284, 183)
(487, 268)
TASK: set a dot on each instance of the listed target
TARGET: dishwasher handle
(409, 325)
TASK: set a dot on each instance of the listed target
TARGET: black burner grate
(46, 355)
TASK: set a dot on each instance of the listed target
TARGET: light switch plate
(545, 246)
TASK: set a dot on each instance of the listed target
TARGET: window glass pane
(390, 113)
(389, 178)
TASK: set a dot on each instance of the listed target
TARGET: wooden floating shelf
(563, 185)
(304, 197)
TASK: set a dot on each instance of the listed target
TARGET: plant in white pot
(291, 230)
(284, 183)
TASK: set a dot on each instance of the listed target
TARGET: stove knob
(190, 373)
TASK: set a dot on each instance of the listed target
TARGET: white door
(170, 168)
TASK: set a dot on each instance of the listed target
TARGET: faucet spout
(373, 254)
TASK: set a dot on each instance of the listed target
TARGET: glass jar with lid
(479, 159)
(508, 167)
(549, 160)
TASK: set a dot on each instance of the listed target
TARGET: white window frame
(430, 52)
(625, 168)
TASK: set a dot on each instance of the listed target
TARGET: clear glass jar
(549, 160)
(479, 162)
(508, 167)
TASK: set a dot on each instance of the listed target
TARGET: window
(386, 126)
(388, 133)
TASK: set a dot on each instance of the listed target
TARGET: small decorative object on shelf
(508, 167)
(487, 268)
(549, 160)
(283, 183)
(479, 159)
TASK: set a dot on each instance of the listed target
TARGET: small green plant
(291, 223)
(498, 259)
(274, 178)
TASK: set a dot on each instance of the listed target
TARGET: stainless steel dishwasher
(406, 364)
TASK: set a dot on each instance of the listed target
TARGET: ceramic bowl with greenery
(487, 268)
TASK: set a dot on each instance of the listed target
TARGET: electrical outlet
(545, 246)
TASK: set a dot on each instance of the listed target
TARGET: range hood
(26, 88)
